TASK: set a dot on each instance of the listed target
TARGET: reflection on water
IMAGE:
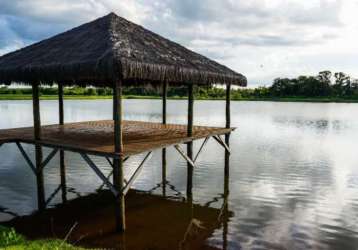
(293, 169)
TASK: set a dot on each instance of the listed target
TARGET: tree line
(325, 84)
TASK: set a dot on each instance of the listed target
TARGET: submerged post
(118, 177)
(228, 122)
(62, 153)
(228, 99)
(190, 144)
(164, 96)
(226, 200)
(38, 150)
(226, 170)
(164, 151)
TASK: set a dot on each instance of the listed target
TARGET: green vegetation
(10, 240)
(325, 87)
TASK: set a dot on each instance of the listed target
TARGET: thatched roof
(99, 52)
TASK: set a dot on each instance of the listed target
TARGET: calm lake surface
(293, 168)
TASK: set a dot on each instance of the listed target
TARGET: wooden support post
(62, 153)
(38, 150)
(60, 104)
(164, 96)
(190, 144)
(226, 199)
(228, 99)
(164, 171)
(226, 169)
(118, 176)
(228, 123)
(226, 173)
(164, 150)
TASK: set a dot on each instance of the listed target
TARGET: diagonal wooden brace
(49, 158)
(53, 195)
(26, 157)
(222, 143)
(201, 147)
(99, 173)
(111, 163)
(136, 173)
(29, 162)
(111, 173)
(182, 153)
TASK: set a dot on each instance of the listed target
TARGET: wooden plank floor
(97, 136)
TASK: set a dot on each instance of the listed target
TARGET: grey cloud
(254, 12)
(245, 22)
(215, 28)
(242, 22)
(31, 30)
(7, 35)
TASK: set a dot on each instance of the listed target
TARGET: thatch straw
(99, 52)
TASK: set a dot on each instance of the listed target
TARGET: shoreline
(10, 97)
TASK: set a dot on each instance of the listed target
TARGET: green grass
(10, 240)
(76, 97)
(303, 99)
(51, 97)
(96, 97)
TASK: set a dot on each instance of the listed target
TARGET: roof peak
(108, 47)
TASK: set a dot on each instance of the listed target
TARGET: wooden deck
(96, 137)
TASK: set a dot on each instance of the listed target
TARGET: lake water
(293, 168)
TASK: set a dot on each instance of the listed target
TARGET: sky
(262, 39)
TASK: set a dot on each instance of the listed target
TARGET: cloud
(250, 18)
(260, 38)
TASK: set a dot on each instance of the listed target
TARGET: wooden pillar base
(63, 176)
(118, 181)
(227, 157)
(189, 189)
(164, 171)
(40, 180)
(190, 144)
(226, 194)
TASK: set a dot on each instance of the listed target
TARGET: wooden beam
(201, 148)
(26, 157)
(61, 121)
(99, 173)
(164, 150)
(36, 111)
(136, 173)
(228, 99)
(60, 104)
(190, 109)
(225, 217)
(38, 150)
(49, 158)
(49, 199)
(164, 171)
(164, 96)
(227, 137)
(222, 143)
(118, 175)
(190, 144)
(186, 157)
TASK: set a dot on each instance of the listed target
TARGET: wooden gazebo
(112, 52)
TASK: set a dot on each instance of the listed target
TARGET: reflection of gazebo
(161, 223)
(111, 52)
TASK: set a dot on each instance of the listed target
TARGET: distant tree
(281, 87)
(325, 77)
(342, 84)
(311, 86)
